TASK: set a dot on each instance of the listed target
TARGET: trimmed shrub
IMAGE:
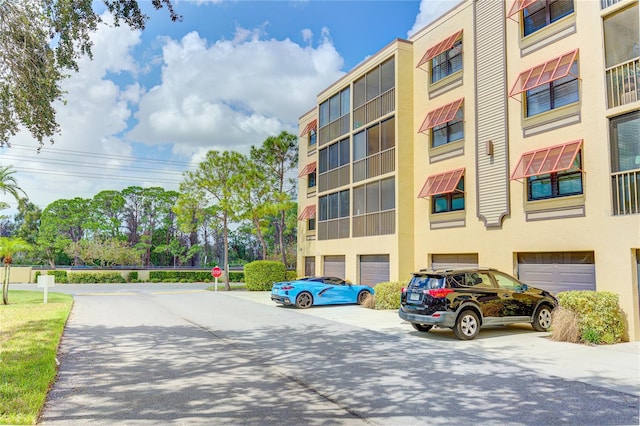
(95, 277)
(292, 275)
(132, 277)
(387, 295)
(236, 276)
(179, 276)
(599, 317)
(261, 274)
(60, 276)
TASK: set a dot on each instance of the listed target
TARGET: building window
(334, 108)
(333, 206)
(313, 138)
(449, 202)
(556, 184)
(375, 139)
(543, 13)
(625, 146)
(311, 224)
(448, 132)
(334, 156)
(374, 83)
(374, 197)
(555, 94)
(311, 181)
(447, 62)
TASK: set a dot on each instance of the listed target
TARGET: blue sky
(151, 104)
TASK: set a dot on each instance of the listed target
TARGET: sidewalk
(615, 367)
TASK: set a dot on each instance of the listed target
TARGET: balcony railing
(333, 178)
(336, 128)
(375, 165)
(333, 229)
(606, 3)
(623, 83)
(626, 192)
(379, 223)
(375, 108)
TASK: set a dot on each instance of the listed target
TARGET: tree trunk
(281, 238)
(263, 243)
(226, 254)
(5, 285)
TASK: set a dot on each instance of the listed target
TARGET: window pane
(344, 203)
(359, 146)
(344, 152)
(539, 187)
(345, 101)
(439, 67)
(535, 17)
(559, 9)
(388, 134)
(373, 197)
(439, 136)
(625, 146)
(334, 206)
(388, 194)
(621, 36)
(358, 201)
(334, 107)
(457, 201)
(311, 224)
(312, 180)
(373, 140)
(373, 84)
(570, 183)
(359, 92)
(333, 156)
(322, 208)
(387, 75)
(439, 203)
(312, 137)
(565, 93)
(324, 113)
(538, 100)
(455, 57)
(456, 131)
(323, 159)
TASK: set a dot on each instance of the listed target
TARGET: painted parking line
(106, 294)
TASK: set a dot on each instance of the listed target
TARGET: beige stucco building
(503, 134)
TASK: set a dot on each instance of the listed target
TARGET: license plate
(414, 296)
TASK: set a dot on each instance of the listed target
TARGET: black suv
(467, 299)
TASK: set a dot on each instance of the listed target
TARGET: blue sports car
(306, 292)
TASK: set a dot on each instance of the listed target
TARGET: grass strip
(30, 333)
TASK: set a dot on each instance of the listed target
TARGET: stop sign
(216, 271)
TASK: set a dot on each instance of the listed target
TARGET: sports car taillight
(286, 287)
(439, 293)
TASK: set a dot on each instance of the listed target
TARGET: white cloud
(429, 11)
(235, 93)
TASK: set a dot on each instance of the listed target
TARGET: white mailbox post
(46, 281)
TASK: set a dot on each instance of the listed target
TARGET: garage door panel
(334, 266)
(558, 277)
(456, 260)
(374, 269)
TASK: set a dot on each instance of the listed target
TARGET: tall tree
(106, 214)
(216, 182)
(278, 157)
(8, 183)
(62, 223)
(8, 248)
(32, 67)
(27, 220)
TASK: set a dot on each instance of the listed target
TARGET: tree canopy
(42, 41)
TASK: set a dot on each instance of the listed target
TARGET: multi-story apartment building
(503, 134)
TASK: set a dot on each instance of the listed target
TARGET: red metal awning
(544, 73)
(518, 5)
(441, 115)
(308, 213)
(547, 160)
(313, 125)
(308, 169)
(442, 183)
(434, 51)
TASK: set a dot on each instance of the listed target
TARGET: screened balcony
(623, 83)
(626, 192)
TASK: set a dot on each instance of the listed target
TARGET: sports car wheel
(467, 325)
(421, 327)
(542, 319)
(362, 297)
(304, 300)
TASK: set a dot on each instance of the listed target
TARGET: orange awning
(442, 183)
(313, 125)
(544, 73)
(308, 169)
(441, 115)
(547, 160)
(434, 51)
(518, 5)
(308, 213)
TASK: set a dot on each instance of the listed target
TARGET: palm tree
(9, 247)
(8, 183)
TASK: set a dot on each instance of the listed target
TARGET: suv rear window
(426, 282)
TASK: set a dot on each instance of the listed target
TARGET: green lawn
(30, 332)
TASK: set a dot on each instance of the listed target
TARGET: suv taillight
(439, 293)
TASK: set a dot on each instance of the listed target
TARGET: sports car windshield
(426, 282)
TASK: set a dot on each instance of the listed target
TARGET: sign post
(46, 281)
(216, 272)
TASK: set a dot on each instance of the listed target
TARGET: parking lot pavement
(614, 367)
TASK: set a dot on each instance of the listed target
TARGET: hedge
(261, 274)
(387, 294)
(60, 276)
(95, 277)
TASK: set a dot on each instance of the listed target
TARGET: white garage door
(374, 269)
(450, 261)
(557, 272)
(334, 266)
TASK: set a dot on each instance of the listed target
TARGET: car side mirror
(524, 287)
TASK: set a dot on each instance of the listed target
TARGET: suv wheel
(542, 319)
(467, 325)
(421, 327)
